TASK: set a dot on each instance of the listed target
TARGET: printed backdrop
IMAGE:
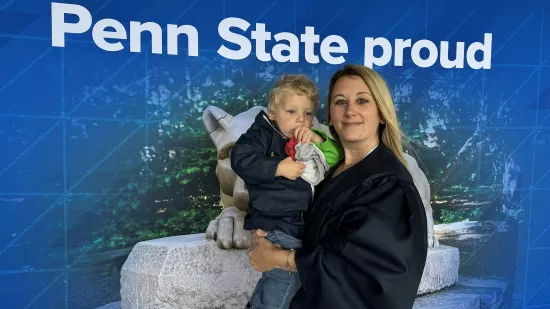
(102, 144)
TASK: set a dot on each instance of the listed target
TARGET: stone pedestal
(441, 269)
(190, 272)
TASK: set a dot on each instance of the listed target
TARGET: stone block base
(190, 272)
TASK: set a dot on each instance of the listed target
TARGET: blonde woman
(365, 235)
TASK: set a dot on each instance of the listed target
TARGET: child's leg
(276, 287)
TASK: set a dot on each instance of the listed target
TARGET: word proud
(433, 53)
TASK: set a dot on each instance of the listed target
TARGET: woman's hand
(255, 235)
(262, 253)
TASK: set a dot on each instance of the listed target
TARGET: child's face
(291, 112)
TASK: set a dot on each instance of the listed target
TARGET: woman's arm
(265, 256)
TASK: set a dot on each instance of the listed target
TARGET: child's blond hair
(293, 84)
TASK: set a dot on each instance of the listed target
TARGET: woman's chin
(350, 137)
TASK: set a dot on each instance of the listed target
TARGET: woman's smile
(352, 123)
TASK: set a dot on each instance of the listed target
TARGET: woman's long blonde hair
(390, 133)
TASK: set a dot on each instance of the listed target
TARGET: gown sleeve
(374, 258)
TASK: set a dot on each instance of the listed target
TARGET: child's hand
(305, 134)
(290, 169)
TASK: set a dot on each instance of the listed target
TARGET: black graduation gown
(365, 239)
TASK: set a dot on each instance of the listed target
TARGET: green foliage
(132, 227)
(191, 221)
(173, 192)
(450, 216)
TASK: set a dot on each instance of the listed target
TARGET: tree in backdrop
(445, 113)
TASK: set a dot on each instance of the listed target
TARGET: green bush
(450, 216)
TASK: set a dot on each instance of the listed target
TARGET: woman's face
(353, 112)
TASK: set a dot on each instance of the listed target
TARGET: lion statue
(227, 229)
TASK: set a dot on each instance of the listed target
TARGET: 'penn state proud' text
(108, 34)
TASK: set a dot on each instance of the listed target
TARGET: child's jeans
(276, 287)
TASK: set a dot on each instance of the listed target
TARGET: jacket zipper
(284, 137)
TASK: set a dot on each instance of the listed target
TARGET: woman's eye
(340, 102)
(362, 101)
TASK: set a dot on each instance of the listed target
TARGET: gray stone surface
(441, 269)
(186, 272)
(491, 291)
(468, 292)
(191, 272)
(446, 300)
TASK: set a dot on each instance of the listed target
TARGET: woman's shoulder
(382, 165)
(387, 190)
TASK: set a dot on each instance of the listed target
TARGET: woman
(365, 238)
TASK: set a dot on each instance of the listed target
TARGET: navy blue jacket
(276, 203)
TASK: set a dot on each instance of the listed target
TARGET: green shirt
(330, 148)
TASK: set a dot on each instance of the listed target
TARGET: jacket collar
(273, 125)
(262, 121)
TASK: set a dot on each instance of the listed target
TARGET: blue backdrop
(101, 149)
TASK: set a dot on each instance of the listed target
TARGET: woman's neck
(355, 152)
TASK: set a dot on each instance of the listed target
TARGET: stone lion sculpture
(227, 229)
